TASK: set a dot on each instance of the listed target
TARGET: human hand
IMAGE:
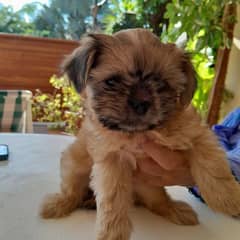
(162, 167)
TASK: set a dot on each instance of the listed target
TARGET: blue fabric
(229, 137)
(228, 133)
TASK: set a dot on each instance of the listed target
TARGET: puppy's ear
(191, 83)
(78, 64)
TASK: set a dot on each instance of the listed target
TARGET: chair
(15, 111)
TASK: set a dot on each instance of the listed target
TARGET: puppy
(136, 87)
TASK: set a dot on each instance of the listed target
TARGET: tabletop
(32, 171)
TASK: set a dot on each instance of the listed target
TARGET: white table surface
(33, 170)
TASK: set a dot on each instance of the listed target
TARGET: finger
(168, 178)
(150, 167)
(144, 178)
(168, 181)
(165, 157)
(182, 177)
(178, 177)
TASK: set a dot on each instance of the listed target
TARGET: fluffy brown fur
(136, 87)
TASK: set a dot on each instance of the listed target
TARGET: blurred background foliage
(63, 105)
(194, 24)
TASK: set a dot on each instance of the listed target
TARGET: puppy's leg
(213, 176)
(112, 180)
(75, 170)
(157, 200)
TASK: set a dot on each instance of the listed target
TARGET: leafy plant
(14, 22)
(63, 105)
(64, 19)
(202, 24)
(57, 19)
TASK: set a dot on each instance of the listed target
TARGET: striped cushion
(14, 107)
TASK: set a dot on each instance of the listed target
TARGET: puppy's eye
(111, 82)
(162, 86)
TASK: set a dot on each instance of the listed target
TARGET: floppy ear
(191, 84)
(79, 63)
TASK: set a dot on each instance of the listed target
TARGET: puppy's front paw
(225, 198)
(58, 205)
(181, 213)
(115, 229)
(118, 237)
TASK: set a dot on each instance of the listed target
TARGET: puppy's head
(133, 82)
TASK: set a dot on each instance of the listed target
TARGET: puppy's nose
(139, 106)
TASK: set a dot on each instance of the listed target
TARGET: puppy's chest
(101, 143)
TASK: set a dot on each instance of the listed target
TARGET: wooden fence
(29, 62)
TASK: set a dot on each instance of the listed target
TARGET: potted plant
(59, 111)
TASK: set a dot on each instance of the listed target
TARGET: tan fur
(112, 157)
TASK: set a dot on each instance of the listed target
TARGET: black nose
(139, 106)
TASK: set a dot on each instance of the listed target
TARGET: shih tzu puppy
(136, 87)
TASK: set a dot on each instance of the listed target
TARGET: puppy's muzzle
(140, 107)
(140, 99)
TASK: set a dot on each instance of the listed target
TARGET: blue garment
(229, 137)
(228, 133)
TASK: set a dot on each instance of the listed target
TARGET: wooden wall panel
(29, 62)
